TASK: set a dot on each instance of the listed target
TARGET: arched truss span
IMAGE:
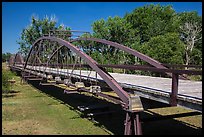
(11, 60)
(126, 49)
(18, 59)
(92, 63)
(143, 57)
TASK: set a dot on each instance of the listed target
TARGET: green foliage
(196, 57)
(6, 75)
(34, 31)
(152, 20)
(189, 17)
(136, 28)
(154, 30)
(37, 29)
(166, 48)
(6, 56)
(114, 29)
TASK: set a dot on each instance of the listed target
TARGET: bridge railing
(175, 76)
(175, 73)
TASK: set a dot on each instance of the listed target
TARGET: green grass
(29, 111)
(6, 76)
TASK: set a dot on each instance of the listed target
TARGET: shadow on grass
(165, 125)
(9, 94)
(14, 91)
(115, 121)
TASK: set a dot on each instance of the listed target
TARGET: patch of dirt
(25, 127)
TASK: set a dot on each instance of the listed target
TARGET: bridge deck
(158, 86)
(186, 87)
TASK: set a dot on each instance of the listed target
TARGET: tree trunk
(187, 59)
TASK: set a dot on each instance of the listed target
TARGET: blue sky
(77, 15)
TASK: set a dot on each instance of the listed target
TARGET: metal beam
(92, 63)
(125, 48)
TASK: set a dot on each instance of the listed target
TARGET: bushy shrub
(6, 85)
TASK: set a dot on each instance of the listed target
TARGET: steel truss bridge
(67, 61)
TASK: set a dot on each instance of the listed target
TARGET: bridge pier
(132, 123)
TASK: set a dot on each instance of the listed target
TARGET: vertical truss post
(174, 89)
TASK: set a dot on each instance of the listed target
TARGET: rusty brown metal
(19, 58)
(16, 59)
(143, 57)
(116, 100)
(174, 90)
(92, 63)
(137, 124)
(126, 49)
(127, 124)
(11, 60)
(153, 69)
(132, 124)
(182, 66)
(133, 67)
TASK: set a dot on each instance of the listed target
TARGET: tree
(37, 29)
(115, 29)
(191, 33)
(144, 24)
(136, 28)
(153, 20)
(6, 56)
(166, 48)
